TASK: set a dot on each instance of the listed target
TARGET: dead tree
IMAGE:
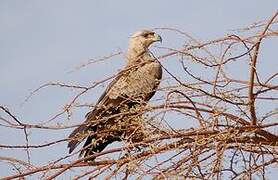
(215, 117)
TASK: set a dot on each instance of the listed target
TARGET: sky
(44, 41)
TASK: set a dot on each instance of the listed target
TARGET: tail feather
(78, 135)
(74, 140)
(89, 148)
(81, 132)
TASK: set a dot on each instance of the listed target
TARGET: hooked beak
(157, 38)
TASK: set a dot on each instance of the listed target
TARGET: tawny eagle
(134, 86)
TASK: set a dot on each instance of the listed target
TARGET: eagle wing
(134, 86)
(103, 100)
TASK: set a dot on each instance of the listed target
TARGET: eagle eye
(147, 35)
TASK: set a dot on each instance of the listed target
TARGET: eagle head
(138, 46)
(144, 38)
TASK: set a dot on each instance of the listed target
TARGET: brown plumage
(106, 123)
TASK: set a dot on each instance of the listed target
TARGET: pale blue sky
(41, 41)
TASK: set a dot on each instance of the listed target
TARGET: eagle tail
(89, 149)
(74, 140)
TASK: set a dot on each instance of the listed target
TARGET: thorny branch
(253, 71)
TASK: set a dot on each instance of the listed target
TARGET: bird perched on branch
(132, 87)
